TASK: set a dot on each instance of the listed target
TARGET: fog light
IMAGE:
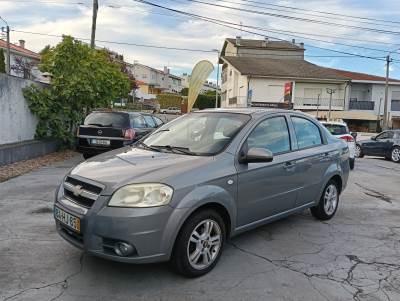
(123, 249)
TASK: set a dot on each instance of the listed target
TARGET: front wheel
(395, 154)
(358, 151)
(199, 244)
(328, 203)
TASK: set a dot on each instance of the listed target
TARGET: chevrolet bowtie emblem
(77, 190)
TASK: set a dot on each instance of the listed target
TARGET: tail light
(347, 138)
(129, 134)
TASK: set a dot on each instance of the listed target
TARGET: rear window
(108, 119)
(336, 129)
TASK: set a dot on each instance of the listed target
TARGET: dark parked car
(385, 144)
(106, 130)
(180, 192)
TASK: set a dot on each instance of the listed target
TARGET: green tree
(2, 62)
(82, 79)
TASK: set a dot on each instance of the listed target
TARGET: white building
(23, 62)
(207, 86)
(255, 73)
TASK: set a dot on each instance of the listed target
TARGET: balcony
(361, 105)
(308, 103)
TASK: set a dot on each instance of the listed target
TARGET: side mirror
(354, 134)
(373, 138)
(257, 155)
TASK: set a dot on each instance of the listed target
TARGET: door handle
(289, 165)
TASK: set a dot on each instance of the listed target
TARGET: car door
(313, 157)
(267, 189)
(384, 143)
(139, 125)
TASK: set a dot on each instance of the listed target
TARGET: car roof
(243, 110)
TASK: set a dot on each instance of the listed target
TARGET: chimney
(166, 70)
(302, 45)
(293, 41)
(22, 43)
(238, 39)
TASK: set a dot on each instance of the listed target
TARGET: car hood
(135, 165)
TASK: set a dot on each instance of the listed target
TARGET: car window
(107, 119)
(158, 121)
(149, 120)
(385, 135)
(336, 129)
(138, 122)
(307, 133)
(271, 134)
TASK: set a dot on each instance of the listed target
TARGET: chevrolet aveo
(179, 193)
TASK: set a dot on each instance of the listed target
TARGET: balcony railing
(361, 105)
(322, 103)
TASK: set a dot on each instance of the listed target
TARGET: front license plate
(67, 219)
(100, 142)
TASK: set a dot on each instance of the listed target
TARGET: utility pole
(8, 54)
(94, 19)
(330, 92)
(386, 102)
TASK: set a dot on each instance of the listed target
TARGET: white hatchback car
(340, 130)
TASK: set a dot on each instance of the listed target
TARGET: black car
(385, 144)
(106, 130)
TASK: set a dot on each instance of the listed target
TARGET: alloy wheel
(204, 244)
(396, 154)
(357, 151)
(330, 199)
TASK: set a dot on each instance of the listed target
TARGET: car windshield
(336, 129)
(107, 119)
(197, 133)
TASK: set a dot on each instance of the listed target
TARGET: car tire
(359, 153)
(87, 156)
(197, 250)
(328, 202)
(352, 163)
(395, 154)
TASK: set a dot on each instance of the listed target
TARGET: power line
(298, 18)
(240, 27)
(294, 11)
(322, 12)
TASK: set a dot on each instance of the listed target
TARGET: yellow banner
(199, 75)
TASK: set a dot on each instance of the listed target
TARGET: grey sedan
(198, 180)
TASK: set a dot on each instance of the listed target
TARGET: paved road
(355, 256)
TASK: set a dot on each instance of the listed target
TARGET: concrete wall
(17, 123)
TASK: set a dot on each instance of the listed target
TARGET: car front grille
(81, 193)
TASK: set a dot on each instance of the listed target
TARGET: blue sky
(128, 21)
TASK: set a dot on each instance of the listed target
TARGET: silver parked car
(198, 180)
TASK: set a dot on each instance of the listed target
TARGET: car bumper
(151, 231)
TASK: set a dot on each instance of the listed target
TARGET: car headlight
(142, 195)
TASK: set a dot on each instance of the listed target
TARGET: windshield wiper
(174, 149)
(145, 146)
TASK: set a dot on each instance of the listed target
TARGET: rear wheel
(395, 154)
(352, 163)
(328, 203)
(199, 244)
(358, 151)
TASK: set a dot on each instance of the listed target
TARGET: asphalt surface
(355, 256)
